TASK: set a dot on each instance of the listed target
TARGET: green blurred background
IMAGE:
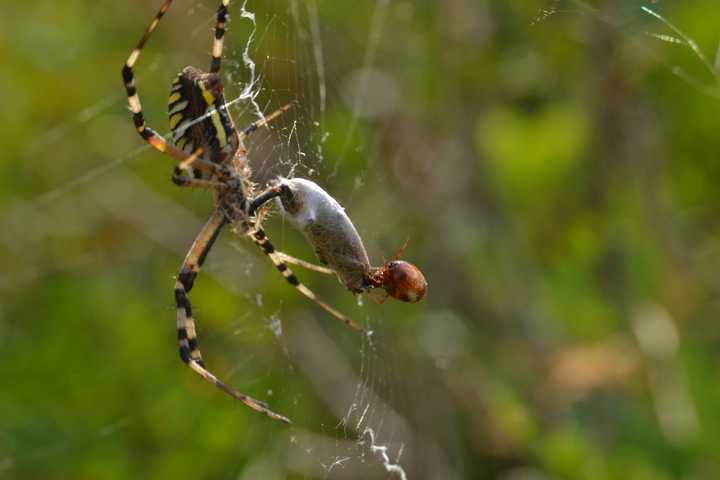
(553, 164)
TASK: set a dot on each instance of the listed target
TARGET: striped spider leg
(304, 264)
(205, 141)
(277, 258)
(155, 140)
(187, 335)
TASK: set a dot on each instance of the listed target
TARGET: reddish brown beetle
(401, 280)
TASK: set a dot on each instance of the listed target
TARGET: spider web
(646, 17)
(275, 53)
(272, 56)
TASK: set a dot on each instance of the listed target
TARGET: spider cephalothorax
(212, 155)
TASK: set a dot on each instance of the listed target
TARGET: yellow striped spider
(211, 154)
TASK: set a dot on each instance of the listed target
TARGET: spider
(211, 155)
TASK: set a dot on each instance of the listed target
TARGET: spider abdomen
(198, 115)
(328, 229)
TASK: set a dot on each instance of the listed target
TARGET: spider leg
(219, 34)
(302, 263)
(185, 181)
(261, 240)
(240, 158)
(148, 134)
(379, 299)
(187, 335)
(182, 180)
(264, 121)
(261, 200)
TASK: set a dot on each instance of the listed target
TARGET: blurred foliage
(553, 164)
